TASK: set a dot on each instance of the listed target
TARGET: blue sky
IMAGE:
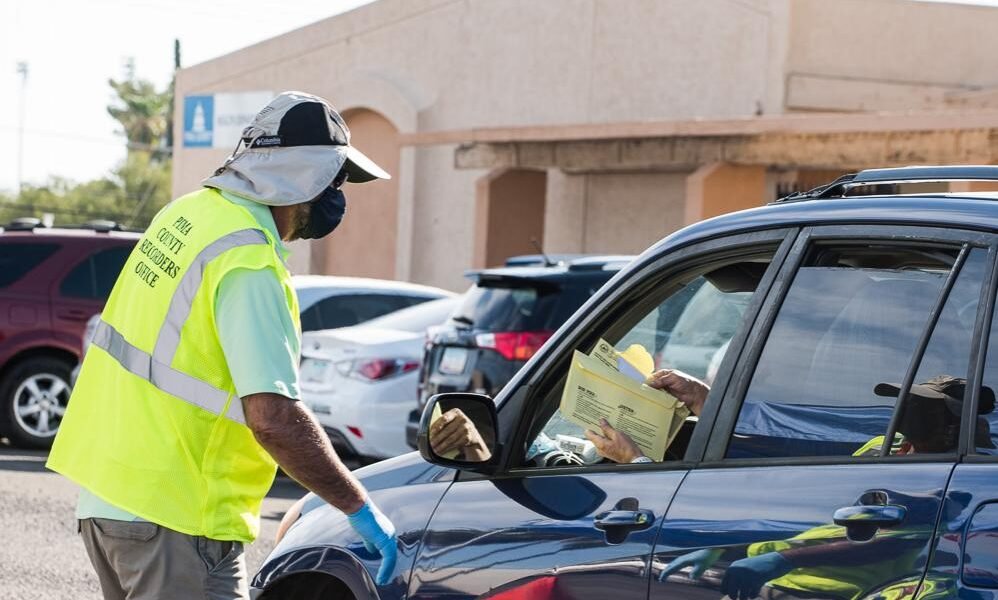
(73, 47)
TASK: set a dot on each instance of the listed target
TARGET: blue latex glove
(745, 577)
(700, 560)
(378, 535)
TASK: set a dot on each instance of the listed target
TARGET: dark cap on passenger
(930, 397)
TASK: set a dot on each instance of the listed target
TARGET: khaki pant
(143, 561)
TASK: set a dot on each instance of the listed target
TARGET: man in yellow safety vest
(188, 398)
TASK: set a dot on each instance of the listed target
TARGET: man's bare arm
(289, 432)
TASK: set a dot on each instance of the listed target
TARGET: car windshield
(417, 318)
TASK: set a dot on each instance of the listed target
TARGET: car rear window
(519, 306)
(95, 277)
(345, 310)
(17, 260)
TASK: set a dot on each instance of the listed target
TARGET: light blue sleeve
(258, 337)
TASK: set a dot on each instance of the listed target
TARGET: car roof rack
(894, 176)
(24, 224)
(539, 260)
(102, 225)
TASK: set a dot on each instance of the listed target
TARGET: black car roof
(956, 210)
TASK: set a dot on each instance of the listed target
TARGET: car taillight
(513, 345)
(383, 368)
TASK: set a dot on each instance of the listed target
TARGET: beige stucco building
(603, 125)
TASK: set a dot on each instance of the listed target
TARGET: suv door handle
(623, 519)
(863, 521)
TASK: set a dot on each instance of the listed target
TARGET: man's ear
(285, 219)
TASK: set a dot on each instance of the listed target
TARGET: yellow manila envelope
(595, 390)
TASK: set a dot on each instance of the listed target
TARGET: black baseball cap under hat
(294, 148)
(310, 122)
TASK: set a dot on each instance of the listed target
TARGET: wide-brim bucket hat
(292, 150)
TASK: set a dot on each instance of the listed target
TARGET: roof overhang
(821, 141)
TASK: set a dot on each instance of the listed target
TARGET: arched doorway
(365, 244)
(509, 213)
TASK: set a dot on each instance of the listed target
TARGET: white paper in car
(596, 390)
(635, 362)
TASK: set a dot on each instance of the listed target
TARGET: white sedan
(361, 382)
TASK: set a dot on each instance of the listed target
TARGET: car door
(965, 563)
(792, 498)
(554, 522)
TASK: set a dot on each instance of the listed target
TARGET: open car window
(684, 322)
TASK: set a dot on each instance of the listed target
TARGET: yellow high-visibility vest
(154, 425)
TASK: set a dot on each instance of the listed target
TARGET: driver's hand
(453, 430)
(614, 445)
(686, 388)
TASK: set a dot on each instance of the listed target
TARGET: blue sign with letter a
(199, 118)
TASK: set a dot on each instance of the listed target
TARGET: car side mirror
(458, 430)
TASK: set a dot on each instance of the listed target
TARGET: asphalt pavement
(41, 555)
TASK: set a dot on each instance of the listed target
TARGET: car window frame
(978, 360)
(515, 404)
(741, 377)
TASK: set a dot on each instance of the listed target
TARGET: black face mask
(325, 214)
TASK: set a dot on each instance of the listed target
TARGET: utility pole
(22, 70)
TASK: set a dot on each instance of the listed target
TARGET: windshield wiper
(463, 319)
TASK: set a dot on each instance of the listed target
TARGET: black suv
(504, 320)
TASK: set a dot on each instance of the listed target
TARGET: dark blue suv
(846, 446)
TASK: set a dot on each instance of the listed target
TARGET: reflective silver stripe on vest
(168, 339)
(166, 379)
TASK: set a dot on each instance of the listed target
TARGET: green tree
(142, 112)
(136, 189)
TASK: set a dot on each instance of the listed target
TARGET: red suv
(51, 282)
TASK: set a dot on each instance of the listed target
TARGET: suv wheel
(33, 399)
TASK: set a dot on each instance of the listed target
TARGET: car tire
(33, 398)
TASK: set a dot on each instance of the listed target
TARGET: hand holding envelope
(610, 385)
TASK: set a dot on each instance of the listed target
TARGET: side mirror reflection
(458, 430)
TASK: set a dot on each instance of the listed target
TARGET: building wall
(437, 65)
(365, 243)
(619, 213)
(627, 212)
(509, 215)
(430, 65)
(887, 54)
